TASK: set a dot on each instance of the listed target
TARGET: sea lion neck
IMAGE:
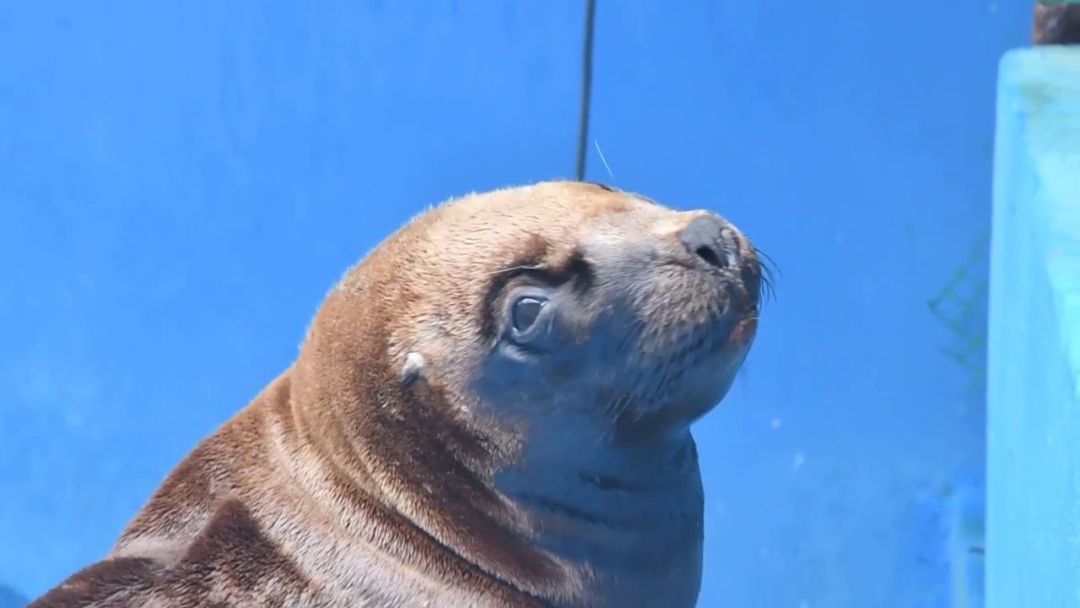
(553, 518)
(553, 510)
(408, 448)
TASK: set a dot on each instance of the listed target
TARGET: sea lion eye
(525, 312)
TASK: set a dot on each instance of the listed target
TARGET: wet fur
(343, 484)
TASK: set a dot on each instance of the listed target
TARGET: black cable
(586, 88)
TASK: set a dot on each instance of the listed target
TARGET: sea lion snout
(694, 306)
(716, 245)
(712, 240)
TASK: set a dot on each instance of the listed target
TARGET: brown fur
(341, 484)
(1056, 24)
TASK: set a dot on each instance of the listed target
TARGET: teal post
(1033, 460)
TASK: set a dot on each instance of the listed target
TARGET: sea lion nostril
(708, 238)
(709, 256)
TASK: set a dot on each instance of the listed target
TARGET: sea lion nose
(711, 239)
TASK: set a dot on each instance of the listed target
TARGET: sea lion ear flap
(414, 369)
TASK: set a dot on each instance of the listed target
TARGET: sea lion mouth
(727, 341)
(671, 390)
(669, 398)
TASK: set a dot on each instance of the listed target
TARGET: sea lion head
(563, 297)
(562, 317)
(626, 316)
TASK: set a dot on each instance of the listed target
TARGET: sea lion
(491, 409)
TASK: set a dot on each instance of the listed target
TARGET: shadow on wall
(9, 598)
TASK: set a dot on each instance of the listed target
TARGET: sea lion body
(491, 409)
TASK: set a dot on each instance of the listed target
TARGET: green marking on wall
(960, 306)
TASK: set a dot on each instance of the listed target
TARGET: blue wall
(1034, 349)
(181, 182)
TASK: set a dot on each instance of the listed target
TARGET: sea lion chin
(491, 409)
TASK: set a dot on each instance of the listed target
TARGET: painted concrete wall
(180, 182)
(1034, 348)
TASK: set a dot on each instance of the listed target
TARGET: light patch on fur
(413, 369)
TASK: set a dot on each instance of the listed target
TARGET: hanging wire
(586, 89)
